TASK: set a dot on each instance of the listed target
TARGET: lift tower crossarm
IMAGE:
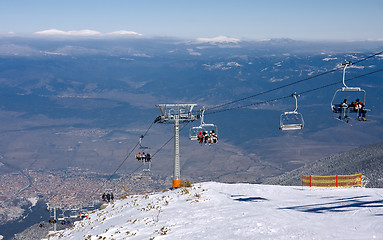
(182, 111)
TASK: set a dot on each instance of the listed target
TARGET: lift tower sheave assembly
(176, 113)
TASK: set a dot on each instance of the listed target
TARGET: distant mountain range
(367, 160)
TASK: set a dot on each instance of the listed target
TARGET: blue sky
(243, 19)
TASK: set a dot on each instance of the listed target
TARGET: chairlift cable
(251, 104)
(366, 74)
(290, 84)
(371, 56)
(274, 89)
(169, 140)
(122, 163)
(112, 175)
(332, 84)
(301, 93)
(130, 153)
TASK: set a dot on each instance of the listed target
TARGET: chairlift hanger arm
(346, 88)
(294, 95)
(202, 115)
(344, 71)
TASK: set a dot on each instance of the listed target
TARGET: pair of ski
(347, 120)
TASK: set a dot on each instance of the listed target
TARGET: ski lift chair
(345, 92)
(194, 131)
(203, 127)
(61, 215)
(146, 172)
(291, 120)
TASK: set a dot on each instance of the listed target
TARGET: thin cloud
(85, 33)
(124, 32)
(217, 40)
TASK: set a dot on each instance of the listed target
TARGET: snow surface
(238, 211)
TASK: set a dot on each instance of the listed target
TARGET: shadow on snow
(339, 205)
(250, 199)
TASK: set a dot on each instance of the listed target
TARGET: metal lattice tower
(176, 113)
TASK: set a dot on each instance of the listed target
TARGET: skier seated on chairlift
(205, 137)
(343, 110)
(200, 137)
(147, 157)
(139, 157)
(213, 137)
(358, 106)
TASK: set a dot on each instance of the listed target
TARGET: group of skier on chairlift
(343, 109)
(357, 106)
(207, 138)
(143, 157)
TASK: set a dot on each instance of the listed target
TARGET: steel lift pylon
(176, 113)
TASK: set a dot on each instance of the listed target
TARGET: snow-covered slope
(238, 211)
